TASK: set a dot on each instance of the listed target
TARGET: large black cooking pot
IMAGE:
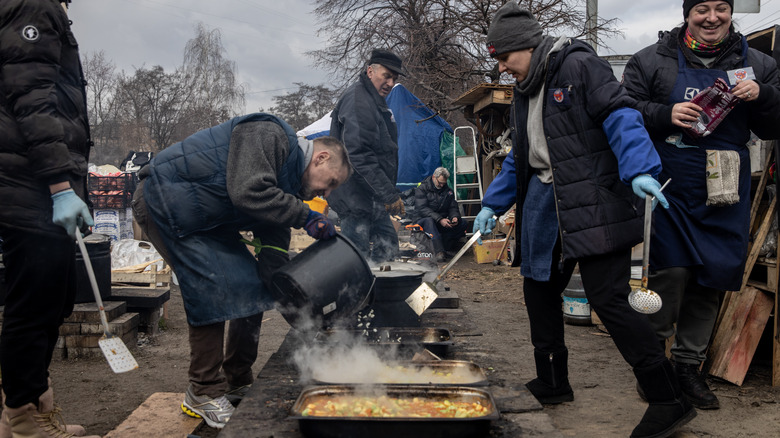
(327, 282)
(396, 284)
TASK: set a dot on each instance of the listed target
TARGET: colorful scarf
(704, 49)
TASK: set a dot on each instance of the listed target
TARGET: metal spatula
(425, 294)
(119, 357)
(643, 300)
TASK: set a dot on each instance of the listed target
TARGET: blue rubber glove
(319, 226)
(484, 222)
(644, 185)
(70, 212)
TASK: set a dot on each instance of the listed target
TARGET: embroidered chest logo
(30, 33)
(690, 92)
(558, 95)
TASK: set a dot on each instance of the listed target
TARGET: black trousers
(41, 288)
(443, 238)
(605, 280)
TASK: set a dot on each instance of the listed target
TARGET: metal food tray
(408, 340)
(396, 427)
(453, 366)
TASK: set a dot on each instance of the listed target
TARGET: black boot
(668, 409)
(551, 386)
(694, 386)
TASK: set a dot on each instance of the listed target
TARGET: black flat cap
(388, 59)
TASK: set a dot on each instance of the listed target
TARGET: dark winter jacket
(365, 124)
(190, 186)
(652, 72)
(583, 111)
(43, 113)
(435, 203)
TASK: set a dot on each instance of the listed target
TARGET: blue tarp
(418, 141)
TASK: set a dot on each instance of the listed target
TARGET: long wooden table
(264, 411)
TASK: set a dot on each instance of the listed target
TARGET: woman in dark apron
(699, 244)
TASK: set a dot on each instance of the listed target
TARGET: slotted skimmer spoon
(644, 300)
(119, 357)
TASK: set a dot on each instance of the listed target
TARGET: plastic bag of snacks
(716, 102)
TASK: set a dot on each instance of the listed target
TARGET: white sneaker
(214, 411)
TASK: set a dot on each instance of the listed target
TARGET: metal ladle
(644, 300)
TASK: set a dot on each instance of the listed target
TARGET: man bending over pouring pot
(250, 173)
(578, 150)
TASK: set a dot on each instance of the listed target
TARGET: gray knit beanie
(512, 29)
(689, 4)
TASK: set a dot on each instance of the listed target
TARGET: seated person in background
(437, 212)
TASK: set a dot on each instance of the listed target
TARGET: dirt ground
(605, 405)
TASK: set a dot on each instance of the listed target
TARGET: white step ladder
(466, 165)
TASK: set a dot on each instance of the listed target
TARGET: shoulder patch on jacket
(31, 33)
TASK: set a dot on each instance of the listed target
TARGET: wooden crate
(130, 277)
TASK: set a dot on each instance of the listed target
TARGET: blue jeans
(376, 228)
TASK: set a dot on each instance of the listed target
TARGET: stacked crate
(111, 197)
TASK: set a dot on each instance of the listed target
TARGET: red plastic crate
(120, 200)
(123, 182)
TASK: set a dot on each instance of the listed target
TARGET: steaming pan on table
(407, 340)
(396, 427)
(448, 373)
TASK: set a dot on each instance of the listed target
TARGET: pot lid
(398, 266)
(398, 274)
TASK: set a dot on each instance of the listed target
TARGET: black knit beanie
(512, 29)
(689, 4)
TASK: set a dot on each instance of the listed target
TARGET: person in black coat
(437, 212)
(43, 173)
(699, 246)
(364, 123)
(578, 149)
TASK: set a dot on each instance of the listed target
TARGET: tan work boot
(41, 422)
(5, 426)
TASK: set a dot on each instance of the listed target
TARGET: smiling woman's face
(709, 21)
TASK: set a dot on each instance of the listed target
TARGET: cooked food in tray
(386, 406)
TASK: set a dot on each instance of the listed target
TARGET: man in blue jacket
(578, 150)
(366, 125)
(250, 173)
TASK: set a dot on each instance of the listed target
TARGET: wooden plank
(761, 187)
(776, 345)
(141, 297)
(755, 247)
(159, 415)
(494, 97)
(740, 330)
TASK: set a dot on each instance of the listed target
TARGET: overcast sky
(267, 39)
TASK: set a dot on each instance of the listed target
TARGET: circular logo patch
(558, 95)
(740, 74)
(30, 33)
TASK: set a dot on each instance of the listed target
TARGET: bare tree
(442, 41)
(152, 106)
(302, 107)
(101, 77)
(216, 94)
